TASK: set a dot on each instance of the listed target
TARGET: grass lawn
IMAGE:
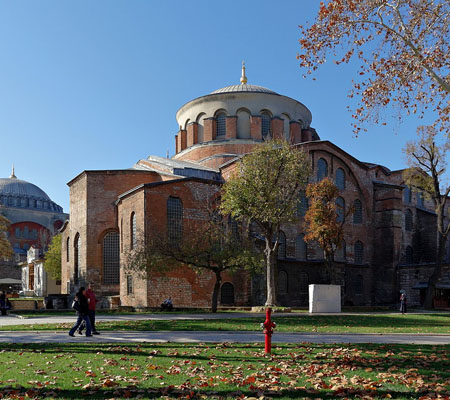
(373, 323)
(219, 371)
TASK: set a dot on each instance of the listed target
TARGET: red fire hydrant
(268, 326)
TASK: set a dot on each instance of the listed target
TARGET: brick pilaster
(277, 125)
(192, 134)
(295, 132)
(209, 129)
(255, 127)
(231, 126)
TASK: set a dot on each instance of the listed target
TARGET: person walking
(81, 306)
(403, 302)
(92, 301)
(3, 303)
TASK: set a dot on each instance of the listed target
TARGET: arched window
(409, 255)
(282, 282)
(303, 282)
(322, 169)
(357, 212)
(111, 264)
(340, 179)
(76, 258)
(281, 245)
(265, 125)
(341, 252)
(68, 249)
(300, 247)
(133, 236)
(174, 219)
(407, 195)
(221, 125)
(340, 209)
(408, 220)
(227, 294)
(302, 205)
(359, 284)
(359, 252)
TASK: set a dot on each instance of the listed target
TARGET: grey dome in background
(18, 187)
(244, 88)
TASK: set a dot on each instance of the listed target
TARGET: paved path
(200, 337)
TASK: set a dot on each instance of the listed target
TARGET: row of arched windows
(25, 202)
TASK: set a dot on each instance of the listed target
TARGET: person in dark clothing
(83, 312)
(403, 302)
(92, 300)
(3, 303)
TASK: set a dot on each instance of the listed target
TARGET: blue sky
(96, 84)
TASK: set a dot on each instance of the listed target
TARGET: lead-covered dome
(244, 88)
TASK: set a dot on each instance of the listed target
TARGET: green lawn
(373, 323)
(213, 371)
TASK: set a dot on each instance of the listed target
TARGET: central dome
(20, 188)
(244, 88)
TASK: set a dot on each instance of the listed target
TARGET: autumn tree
(214, 244)
(402, 47)
(427, 160)
(52, 258)
(265, 191)
(325, 219)
(6, 250)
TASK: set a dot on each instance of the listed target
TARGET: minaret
(12, 173)
(243, 77)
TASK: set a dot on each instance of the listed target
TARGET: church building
(389, 242)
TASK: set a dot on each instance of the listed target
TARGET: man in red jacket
(92, 300)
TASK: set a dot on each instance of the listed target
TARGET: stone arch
(200, 121)
(186, 123)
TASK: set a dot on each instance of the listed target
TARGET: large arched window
(322, 169)
(111, 263)
(408, 220)
(300, 247)
(281, 245)
(282, 282)
(340, 209)
(409, 255)
(221, 126)
(357, 212)
(302, 205)
(340, 179)
(265, 125)
(359, 252)
(227, 294)
(76, 258)
(133, 236)
(68, 249)
(174, 219)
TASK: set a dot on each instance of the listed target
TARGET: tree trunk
(215, 295)
(270, 256)
(329, 270)
(428, 303)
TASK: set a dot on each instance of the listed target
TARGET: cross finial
(12, 173)
(243, 77)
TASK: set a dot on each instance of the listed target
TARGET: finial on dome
(243, 77)
(12, 173)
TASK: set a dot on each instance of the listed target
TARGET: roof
(19, 188)
(244, 88)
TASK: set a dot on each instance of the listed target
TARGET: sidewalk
(216, 336)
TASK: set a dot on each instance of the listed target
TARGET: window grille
(77, 258)
(407, 195)
(221, 125)
(111, 259)
(340, 179)
(174, 219)
(282, 282)
(408, 220)
(133, 239)
(129, 284)
(300, 247)
(357, 212)
(409, 255)
(340, 209)
(359, 252)
(68, 250)
(265, 125)
(322, 169)
(302, 205)
(281, 245)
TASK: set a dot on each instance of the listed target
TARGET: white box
(324, 298)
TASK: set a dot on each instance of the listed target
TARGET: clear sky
(96, 84)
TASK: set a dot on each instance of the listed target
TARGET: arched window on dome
(221, 125)
(111, 264)
(340, 179)
(322, 169)
(266, 119)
